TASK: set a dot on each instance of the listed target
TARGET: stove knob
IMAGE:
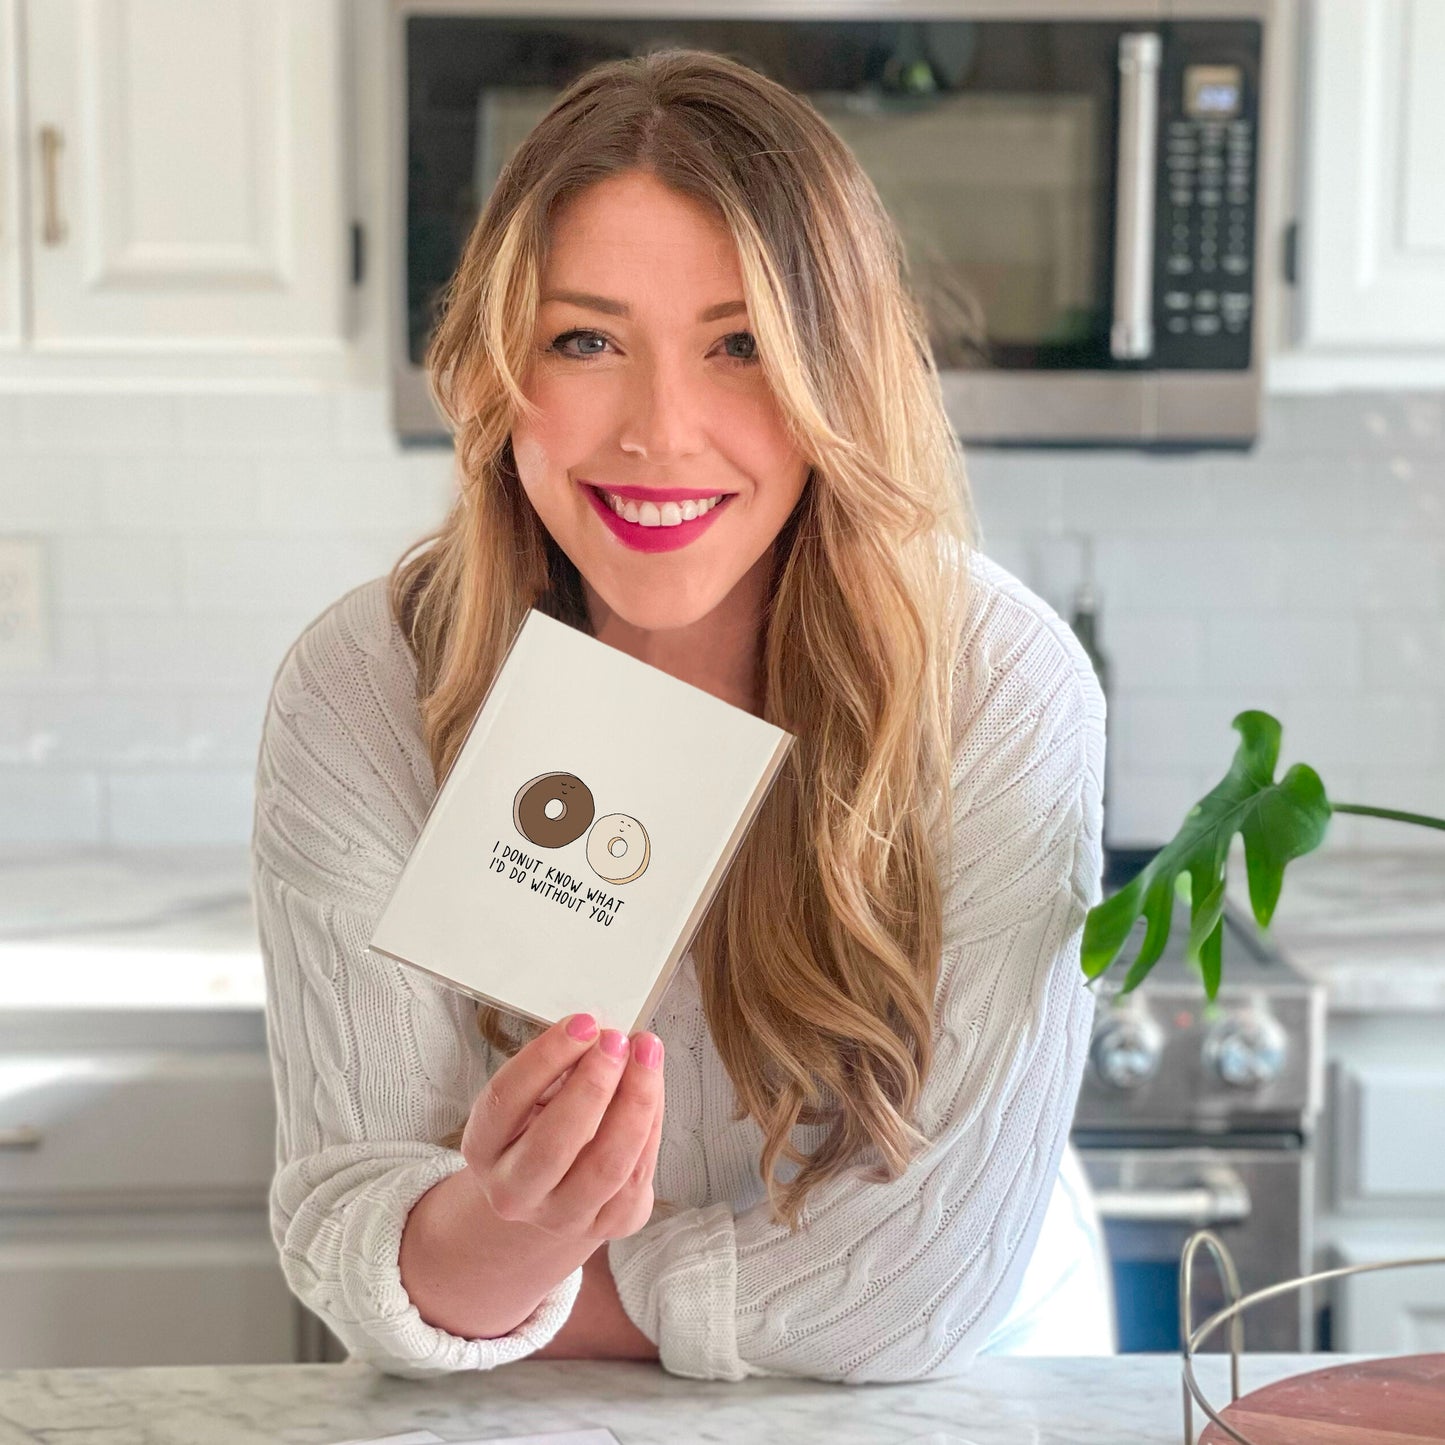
(1126, 1049)
(1247, 1050)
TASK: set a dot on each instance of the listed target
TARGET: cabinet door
(1373, 227)
(136, 1289)
(11, 226)
(187, 178)
(1392, 1311)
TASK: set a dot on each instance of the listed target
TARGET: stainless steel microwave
(1078, 185)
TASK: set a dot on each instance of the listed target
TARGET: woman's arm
(598, 1327)
(469, 1272)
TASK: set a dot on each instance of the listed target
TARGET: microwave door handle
(1132, 334)
(1220, 1198)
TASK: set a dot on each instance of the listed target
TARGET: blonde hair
(819, 958)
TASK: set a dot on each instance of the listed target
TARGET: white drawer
(1389, 1133)
(140, 1126)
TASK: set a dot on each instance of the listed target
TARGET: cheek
(763, 446)
(564, 429)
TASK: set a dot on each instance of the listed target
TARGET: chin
(656, 607)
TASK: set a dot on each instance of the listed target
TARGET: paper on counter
(410, 1437)
(597, 1436)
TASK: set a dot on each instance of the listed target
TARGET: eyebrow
(620, 308)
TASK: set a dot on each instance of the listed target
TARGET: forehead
(629, 227)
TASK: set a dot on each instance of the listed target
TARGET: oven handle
(1219, 1198)
(1132, 334)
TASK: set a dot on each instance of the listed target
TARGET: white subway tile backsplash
(1191, 573)
(38, 805)
(1162, 732)
(132, 574)
(75, 661)
(1145, 808)
(103, 423)
(193, 537)
(54, 494)
(180, 806)
(1404, 651)
(104, 729)
(177, 494)
(240, 575)
(9, 424)
(400, 497)
(1274, 649)
(249, 422)
(1292, 497)
(239, 653)
(1151, 649)
(363, 422)
(219, 731)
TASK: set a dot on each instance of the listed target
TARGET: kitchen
(208, 435)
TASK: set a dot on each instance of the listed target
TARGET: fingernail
(582, 1026)
(649, 1050)
(614, 1043)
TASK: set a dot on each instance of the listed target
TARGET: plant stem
(1422, 819)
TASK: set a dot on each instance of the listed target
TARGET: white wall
(191, 537)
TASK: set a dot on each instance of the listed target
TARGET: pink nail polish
(582, 1026)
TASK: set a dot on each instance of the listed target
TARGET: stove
(1195, 1115)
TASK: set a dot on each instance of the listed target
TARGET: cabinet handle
(51, 141)
(21, 1136)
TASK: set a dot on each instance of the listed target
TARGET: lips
(654, 539)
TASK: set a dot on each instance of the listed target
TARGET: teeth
(670, 514)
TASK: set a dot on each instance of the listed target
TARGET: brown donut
(529, 809)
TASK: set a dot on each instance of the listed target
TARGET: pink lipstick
(654, 539)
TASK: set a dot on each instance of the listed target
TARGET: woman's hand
(564, 1136)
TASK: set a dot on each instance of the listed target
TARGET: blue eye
(752, 345)
(570, 335)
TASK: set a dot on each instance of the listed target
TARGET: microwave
(1078, 186)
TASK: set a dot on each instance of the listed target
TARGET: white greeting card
(581, 833)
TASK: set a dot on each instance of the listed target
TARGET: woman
(683, 280)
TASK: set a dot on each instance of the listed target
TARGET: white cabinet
(1370, 301)
(133, 1196)
(143, 1289)
(183, 203)
(1382, 1179)
(1389, 1311)
(10, 130)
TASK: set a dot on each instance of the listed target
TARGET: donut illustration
(553, 809)
(618, 849)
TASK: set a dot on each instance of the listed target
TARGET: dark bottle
(1085, 623)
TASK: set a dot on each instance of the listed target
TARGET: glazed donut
(529, 809)
(617, 848)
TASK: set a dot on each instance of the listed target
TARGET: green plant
(1278, 821)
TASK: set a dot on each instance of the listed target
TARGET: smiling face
(669, 395)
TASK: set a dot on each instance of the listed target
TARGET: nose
(665, 414)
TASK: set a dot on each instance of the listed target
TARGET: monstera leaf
(1278, 821)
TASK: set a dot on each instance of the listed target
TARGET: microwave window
(988, 143)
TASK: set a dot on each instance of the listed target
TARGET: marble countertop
(1003, 1400)
(163, 928)
(1369, 925)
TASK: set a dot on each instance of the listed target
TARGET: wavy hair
(819, 957)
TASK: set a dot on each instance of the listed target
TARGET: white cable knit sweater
(985, 1244)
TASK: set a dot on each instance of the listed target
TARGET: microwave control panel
(1205, 200)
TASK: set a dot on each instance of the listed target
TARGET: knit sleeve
(371, 1061)
(905, 1280)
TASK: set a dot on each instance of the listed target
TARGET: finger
(505, 1105)
(618, 1215)
(532, 1165)
(605, 1163)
